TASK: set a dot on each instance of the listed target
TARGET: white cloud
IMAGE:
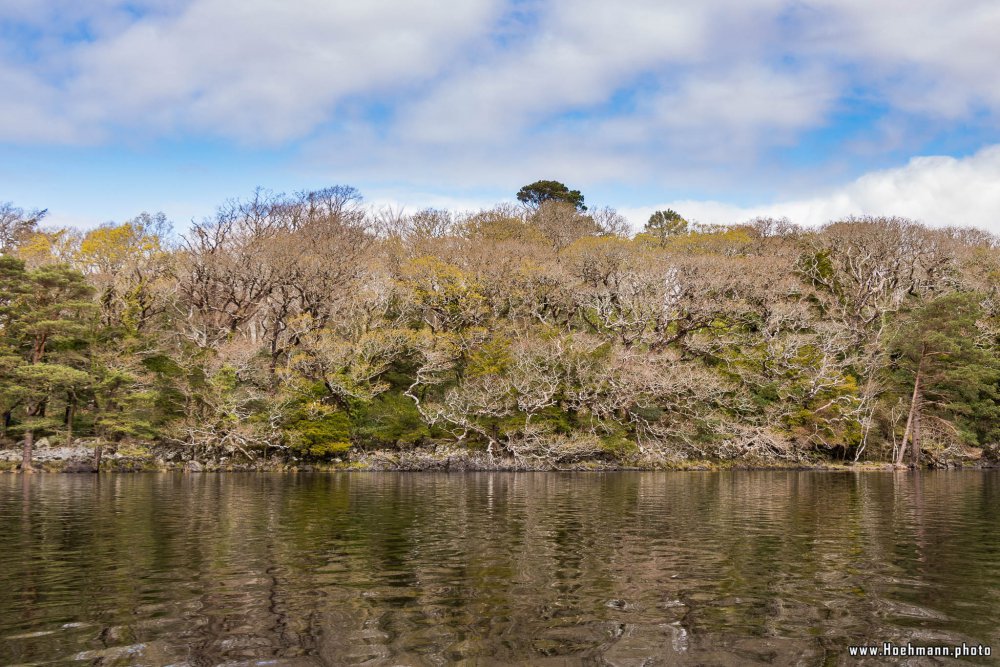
(256, 70)
(748, 98)
(721, 117)
(268, 70)
(487, 71)
(581, 52)
(26, 108)
(936, 56)
(585, 52)
(494, 93)
(936, 190)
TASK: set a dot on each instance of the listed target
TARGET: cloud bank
(936, 190)
(265, 70)
(653, 99)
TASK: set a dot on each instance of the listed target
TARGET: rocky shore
(80, 458)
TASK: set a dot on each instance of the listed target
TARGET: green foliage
(618, 444)
(312, 427)
(535, 194)
(317, 430)
(448, 297)
(163, 365)
(960, 371)
(819, 267)
(663, 224)
(45, 378)
(44, 324)
(491, 358)
(129, 401)
(706, 240)
(391, 419)
(494, 228)
(554, 420)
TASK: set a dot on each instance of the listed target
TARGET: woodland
(312, 328)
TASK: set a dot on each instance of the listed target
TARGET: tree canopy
(306, 327)
(662, 224)
(539, 192)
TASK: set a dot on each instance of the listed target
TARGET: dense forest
(312, 327)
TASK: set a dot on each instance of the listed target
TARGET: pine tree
(539, 192)
(664, 224)
(43, 323)
(953, 377)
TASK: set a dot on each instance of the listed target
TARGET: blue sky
(723, 109)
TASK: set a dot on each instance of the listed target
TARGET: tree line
(306, 325)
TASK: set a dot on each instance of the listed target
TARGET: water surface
(492, 568)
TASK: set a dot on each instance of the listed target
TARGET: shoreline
(70, 460)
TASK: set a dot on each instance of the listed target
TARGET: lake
(730, 568)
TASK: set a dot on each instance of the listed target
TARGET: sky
(721, 109)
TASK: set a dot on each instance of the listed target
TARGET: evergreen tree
(953, 376)
(663, 224)
(43, 322)
(539, 192)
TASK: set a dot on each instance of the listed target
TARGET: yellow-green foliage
(450, 297)
(721, 240)
(111, 247)
(318, 430)
(492, 358)
(500, 228)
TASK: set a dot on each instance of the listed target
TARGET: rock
(42, 443)
(79, 466)
(194, 466)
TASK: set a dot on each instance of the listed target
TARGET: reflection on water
(541, 568)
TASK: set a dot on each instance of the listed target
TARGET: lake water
(738, 568)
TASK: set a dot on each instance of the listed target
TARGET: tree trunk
(38, 350)
(911, 419)
(901, 453)
(70, 410)
(272, 365)
(915, 436)
(29, 443)
(98, 453)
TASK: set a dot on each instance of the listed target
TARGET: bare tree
(16, 225)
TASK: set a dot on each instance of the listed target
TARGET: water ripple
(430, 569)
